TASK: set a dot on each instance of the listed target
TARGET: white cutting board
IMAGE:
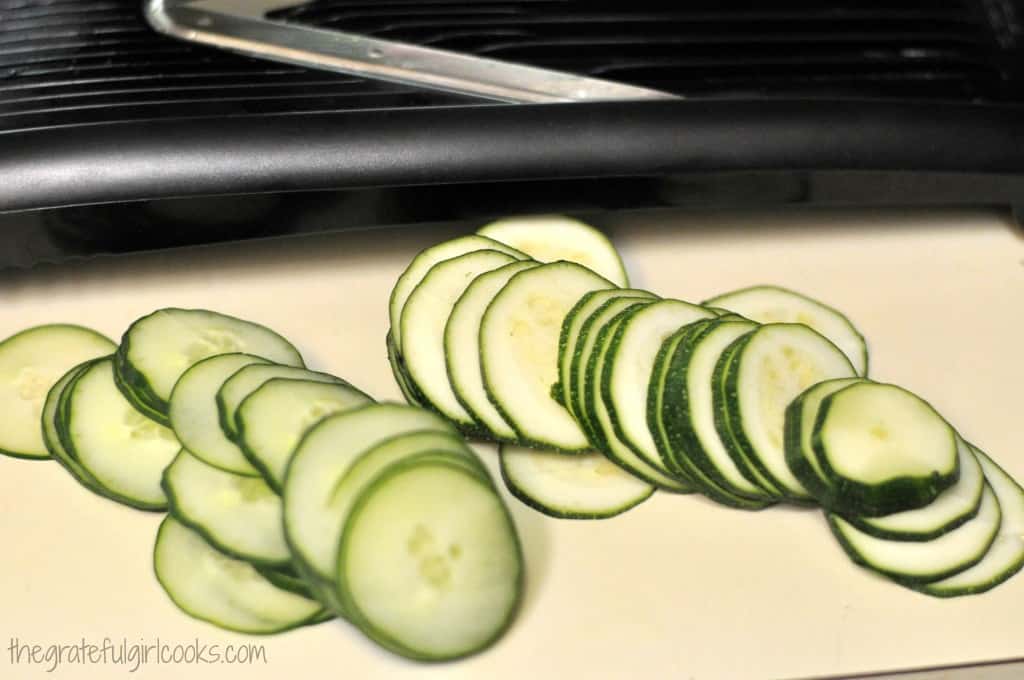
(676, 588)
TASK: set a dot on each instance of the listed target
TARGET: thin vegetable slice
(549, 238)
(31, 362)
(774, 304)
(430, 564)
(587, 486)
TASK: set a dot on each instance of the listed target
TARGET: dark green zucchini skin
(915, 582)
(727, 420)
(580, 365)
(793, 429)
(134, 386)
(850, 497)
(669, 420)
(591, 426)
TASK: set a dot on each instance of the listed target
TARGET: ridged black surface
(96, 61)
(931, 49)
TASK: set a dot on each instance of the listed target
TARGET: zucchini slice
(429, 563)
(229, 593)
(601, 431)
(238, 515)
(247, 379)
(196, 419)
(123, 451)
(424, 317)
(577, 385)
(883, 450)
(953, 507)
(272, 420)
(31, 363)
(799, 420)
(1005, 557)
(774, 304)
(462, 348)
(587, 486)
(923, 561)
(157, 349)
(519, 351)
(326, 453)
(757, 378)
(401, 376)
(549, 238)
(424, 261)
(572, 332)
(629, 365)
(686, 411)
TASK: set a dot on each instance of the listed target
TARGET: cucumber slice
(157, 349)
(122, 450)
(272, 420)
(549, 238)
(51, 436)
(196, 419)
(31, 362)
(419, 444)
(423, 262)
(923, 561)
(601, 431)
(774, 304)
(409, 392)
(573, 330)
(759, 375)
(462, 348)
(626, 378)
(519, 351)
(799, 420)
(1006, 555)
(249, 378)
(430, 563)
(424, 318)
(229, 593)
(586, 342)
(239, 516)
(686, 411)
(882, 450)
(588, 486)
(323, 457)
(950, 509)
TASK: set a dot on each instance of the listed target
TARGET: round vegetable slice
(462, 348)
(424, 317)
(272, 420)
(31, 362)
(883, 450)
(430, 564)
(519, 351)
(549, 238)
(194, 415)
(422, 263)
(158, 348)
(122, 450)
(248, 379)
(587, 486)
(774, 304)
(238, 515)
(229, 593)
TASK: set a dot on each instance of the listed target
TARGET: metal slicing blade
(242, 26)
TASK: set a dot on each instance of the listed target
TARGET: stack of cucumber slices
(528, 334)
(292, 496)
